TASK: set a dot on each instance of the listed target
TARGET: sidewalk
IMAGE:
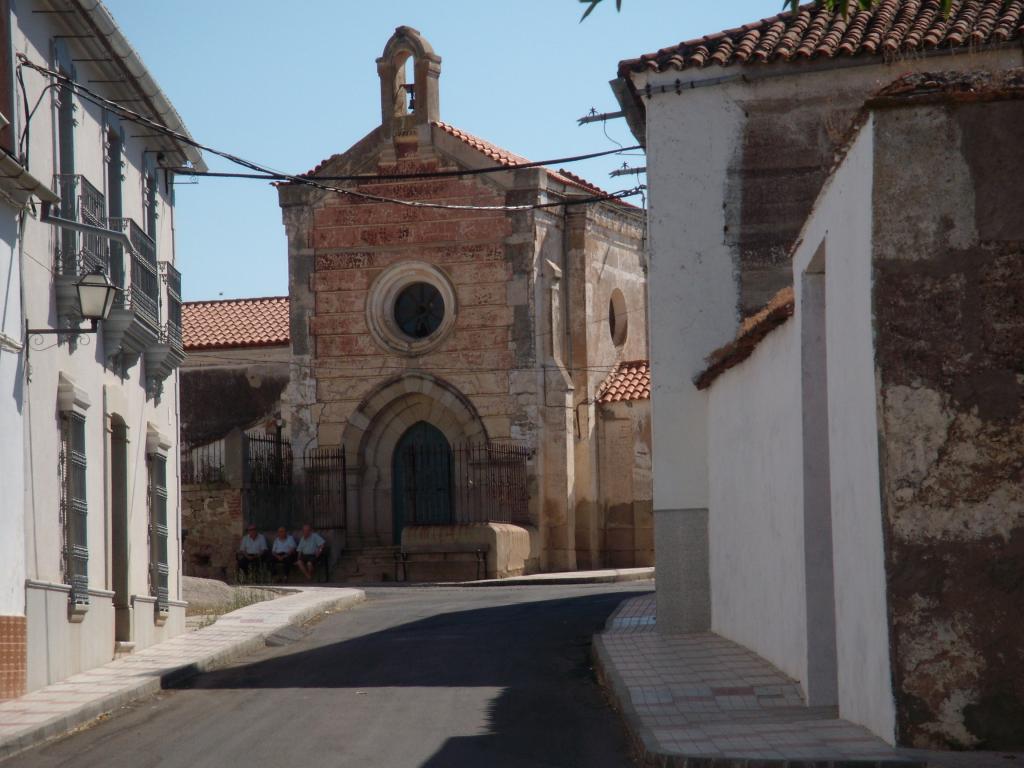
(64, 706)
(701, 700)
(605, 576)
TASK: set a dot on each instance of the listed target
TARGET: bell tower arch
(409, 71)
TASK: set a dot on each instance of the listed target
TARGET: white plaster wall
(12, 445)
(58, 648)
(108, 393)
(755, 457)
(842, 220)
(146, 630)
(690, 279)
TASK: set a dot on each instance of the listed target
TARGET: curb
(64, 724)
(539, 580)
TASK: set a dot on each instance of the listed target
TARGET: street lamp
(96, 296)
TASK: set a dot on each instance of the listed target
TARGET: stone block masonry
(212, 515)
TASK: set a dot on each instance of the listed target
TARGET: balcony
(134, 322)
(78, 252)
(164, 357)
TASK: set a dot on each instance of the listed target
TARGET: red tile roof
(890, 28)
(502, 157)
(752, 331)
(629, 382)
(230, 323)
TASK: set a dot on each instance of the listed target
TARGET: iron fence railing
(276, 496)
(80, 252)
(202, 464)
(267, 460)
(470, 483)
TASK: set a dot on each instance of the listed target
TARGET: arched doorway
(421, 490)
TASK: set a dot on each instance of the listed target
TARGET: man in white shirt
(252, 550)
(311, 549)
(282, 553)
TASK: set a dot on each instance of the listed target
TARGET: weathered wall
(755, 465)
(949, 290)
(625, 518)
(606, 258)
(215, 400)
(212, 515)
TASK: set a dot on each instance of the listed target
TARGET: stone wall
(625, 521)
(212, 515)
(949, 326)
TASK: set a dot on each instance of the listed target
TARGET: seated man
(311, 549)
(252, 551)
(282, 554)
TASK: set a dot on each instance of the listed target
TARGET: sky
(289, 84)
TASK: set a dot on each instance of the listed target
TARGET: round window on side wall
(618, 319)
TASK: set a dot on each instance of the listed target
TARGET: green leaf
(592, 5)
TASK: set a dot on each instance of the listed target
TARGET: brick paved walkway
(64, 706)
(701, 699)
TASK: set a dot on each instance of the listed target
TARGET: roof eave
(100, 23)
(632, 107)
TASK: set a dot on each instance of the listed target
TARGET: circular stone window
(419, 310)
(617, 319)
(411, 308)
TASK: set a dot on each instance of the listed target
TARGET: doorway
(421, 489)
(119, 529)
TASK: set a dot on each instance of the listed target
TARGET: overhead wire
(410, 176)
(133, 116)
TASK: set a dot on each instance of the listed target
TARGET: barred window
(158, 567)
(73, 507)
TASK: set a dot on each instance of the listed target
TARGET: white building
(779, 522)
(89, 422)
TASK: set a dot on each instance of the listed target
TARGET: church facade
(427, 341)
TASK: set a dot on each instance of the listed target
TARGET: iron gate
(434, 483)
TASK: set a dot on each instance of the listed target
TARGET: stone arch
(374, 429)
(405, 43)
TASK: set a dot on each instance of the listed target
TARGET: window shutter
(74, 508)
(158, 531)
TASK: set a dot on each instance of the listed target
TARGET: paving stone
(726, 705)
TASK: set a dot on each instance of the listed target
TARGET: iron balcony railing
(142, 288)
(171, 333)
(79, 253)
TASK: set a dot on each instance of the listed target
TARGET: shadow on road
(550, 711)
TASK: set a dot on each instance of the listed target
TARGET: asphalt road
(417, 676)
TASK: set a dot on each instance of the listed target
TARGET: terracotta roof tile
(629, 382)
(230, 323)
(752, 331)
(890, 28)
(505, 158)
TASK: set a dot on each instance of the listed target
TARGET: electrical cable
(408, 176)
(132, 116)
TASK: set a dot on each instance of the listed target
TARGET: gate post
(234, 458)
